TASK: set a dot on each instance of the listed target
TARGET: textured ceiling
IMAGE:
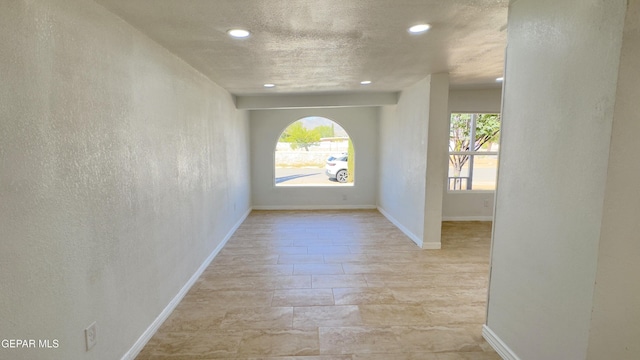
(327, 46)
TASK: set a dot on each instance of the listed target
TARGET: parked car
(336, 168)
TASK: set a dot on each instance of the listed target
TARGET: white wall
(561, 72)
(292, 101)
(403, 154)
(122, 170)
(361, 123)
(615, 324)
(468, 206)
(476, 205)
(481, 101)
(437, 158)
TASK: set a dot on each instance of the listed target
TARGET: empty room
(319, 180)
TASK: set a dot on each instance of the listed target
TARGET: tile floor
(344, 285)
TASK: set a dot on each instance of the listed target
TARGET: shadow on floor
(292, 177)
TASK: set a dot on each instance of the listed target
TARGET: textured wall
(615, 324)
(437, 153)
(121, 170)
(560, 80)
(403, 159)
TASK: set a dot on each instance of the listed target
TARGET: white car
(336, 168)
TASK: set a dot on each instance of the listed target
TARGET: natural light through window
(314, 151)
(473, 165)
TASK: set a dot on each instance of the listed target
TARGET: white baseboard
(467, 218)
(155, 325)
(315, 207)
(497, 344)
(432, 245)
(412, 236)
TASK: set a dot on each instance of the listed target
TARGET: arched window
(314, 151)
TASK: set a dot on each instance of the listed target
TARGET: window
(473, 164)
(314, 151)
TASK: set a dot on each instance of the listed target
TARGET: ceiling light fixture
(419, 29)
(269, 85)
(365, 82)
(238, 33)
(500, 79)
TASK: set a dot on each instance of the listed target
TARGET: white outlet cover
(90, 335)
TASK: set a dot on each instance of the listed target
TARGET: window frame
(282, 185)
(472, 155)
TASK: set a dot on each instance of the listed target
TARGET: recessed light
(500, 79)
(238, 33)
(419, 29)
(366, 82)
(269, 85)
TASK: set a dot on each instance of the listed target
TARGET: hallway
(322, 285)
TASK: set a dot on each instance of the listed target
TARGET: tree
(487, 131)
(350, 162)
(325, 131)
(300, 137)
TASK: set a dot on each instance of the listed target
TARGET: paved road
(317, 176)
(303, 176)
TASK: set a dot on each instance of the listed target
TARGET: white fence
(315, 157)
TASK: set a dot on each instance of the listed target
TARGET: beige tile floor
(320, 285)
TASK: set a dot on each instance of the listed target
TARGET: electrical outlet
(486, 203)
(90, 336)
